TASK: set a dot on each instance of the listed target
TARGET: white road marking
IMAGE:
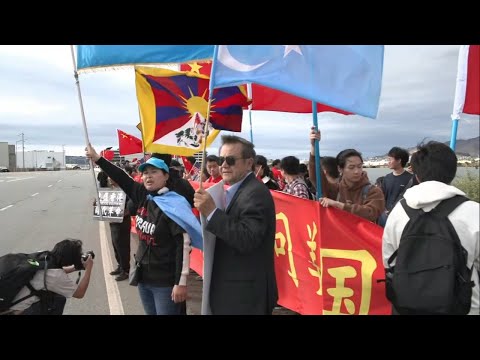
(6, 207)
(50, 185)
(35, 194)
(113, 294)
(20, 179)
(59, 180)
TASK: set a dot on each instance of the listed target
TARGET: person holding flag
(241, 279)
(166, 228)
(354, 192)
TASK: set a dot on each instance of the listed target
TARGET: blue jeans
(158, 300)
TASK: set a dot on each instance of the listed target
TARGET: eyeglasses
(229, 159)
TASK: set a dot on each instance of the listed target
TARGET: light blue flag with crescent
(177, 208)
(348, 77)
(94, 56)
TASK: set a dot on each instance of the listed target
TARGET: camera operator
(65, 258)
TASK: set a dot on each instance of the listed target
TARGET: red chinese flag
(188, 165)
(128, 144)
(472, 93)
(107, 154)
(202, 68)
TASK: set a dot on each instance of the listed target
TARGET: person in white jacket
(435, 165)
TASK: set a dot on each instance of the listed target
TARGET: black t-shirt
(393, 186)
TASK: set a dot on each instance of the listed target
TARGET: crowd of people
(242, 280)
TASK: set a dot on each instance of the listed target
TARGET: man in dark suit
(243, 273)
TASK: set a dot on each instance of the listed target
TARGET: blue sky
(39, 98)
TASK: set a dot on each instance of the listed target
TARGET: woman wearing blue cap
(166, 227)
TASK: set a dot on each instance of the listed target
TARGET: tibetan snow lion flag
(173, 109)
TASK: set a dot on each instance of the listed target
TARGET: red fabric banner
(128, 144)
(351, 258)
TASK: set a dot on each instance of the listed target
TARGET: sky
(39, 98)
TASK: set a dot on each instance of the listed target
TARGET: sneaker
(122, 276)
(117, 271)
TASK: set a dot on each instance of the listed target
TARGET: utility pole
(23, 150)
(64, 162)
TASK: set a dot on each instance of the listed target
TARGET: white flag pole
(206, 132)
(460, 90)
(85, 129)
(250, 96)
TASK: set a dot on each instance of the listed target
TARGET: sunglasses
(230, 160)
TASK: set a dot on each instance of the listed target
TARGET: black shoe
(122, 276)
(117, 271)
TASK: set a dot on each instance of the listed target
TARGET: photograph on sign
(112, 203)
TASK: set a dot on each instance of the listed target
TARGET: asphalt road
(38, 209)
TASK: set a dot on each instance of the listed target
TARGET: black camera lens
(85, 255)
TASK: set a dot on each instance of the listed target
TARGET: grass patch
(470, 185)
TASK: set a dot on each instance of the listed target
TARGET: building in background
(7, 156)
(41, 160)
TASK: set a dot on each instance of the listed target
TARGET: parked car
(4, 169)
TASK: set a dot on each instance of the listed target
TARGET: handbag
(135, 274)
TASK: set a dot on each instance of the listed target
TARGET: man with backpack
(431, 241)
(39, 284)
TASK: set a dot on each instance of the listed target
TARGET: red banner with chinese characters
(327, 261)
(351, 259)
(297, 265)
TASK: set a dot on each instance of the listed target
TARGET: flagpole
(210, 96)
(453, 138)
(317, 152)
(85, 132)
(250, 96)
(141, 132)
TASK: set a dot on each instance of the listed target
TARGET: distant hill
(469, 147)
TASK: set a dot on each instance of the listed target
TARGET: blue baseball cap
(155, 162)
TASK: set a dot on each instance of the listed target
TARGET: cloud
(39, 98)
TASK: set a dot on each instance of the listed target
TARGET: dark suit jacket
(243, 274)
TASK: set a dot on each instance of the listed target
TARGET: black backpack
(430, 276)
(16, 271)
